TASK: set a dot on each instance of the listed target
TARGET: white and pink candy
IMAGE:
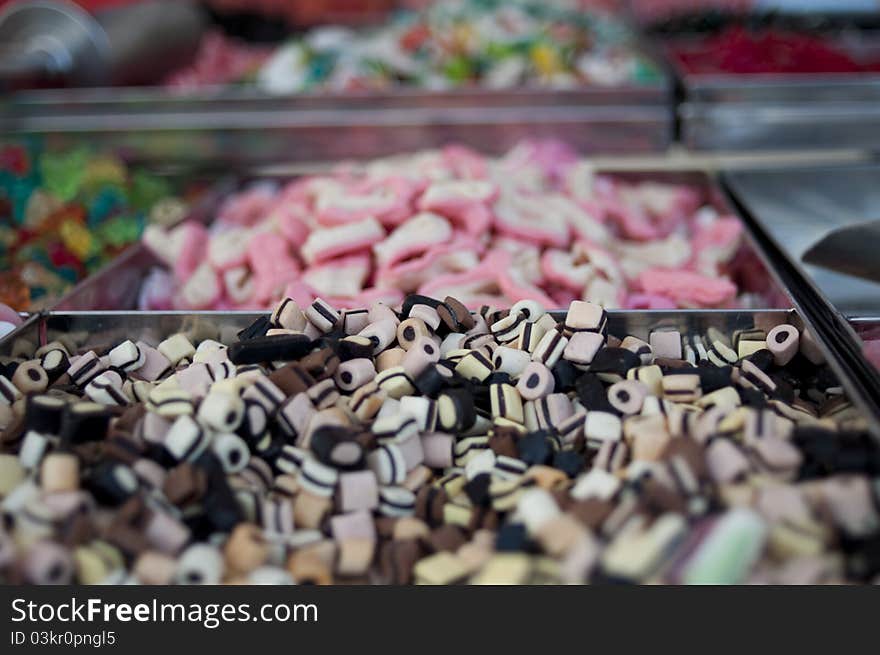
(536, 224)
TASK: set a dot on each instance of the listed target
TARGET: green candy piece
(119, 231)
(645, 72)
(63, 174)
(147, 190)
(458, 69)
(93, 263)
(728, 553)
(497, 50)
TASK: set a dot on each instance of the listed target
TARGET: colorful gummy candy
(64, 215)
(491, 43)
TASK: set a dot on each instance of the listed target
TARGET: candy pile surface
(496, 44)
(537, 224)
(432, 445)
(743, 51)
(220, 60)
(63, 216)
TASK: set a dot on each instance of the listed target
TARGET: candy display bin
(118, 285)
(295, 524)
(779, 113)
(616, 100)
(242, 128)
(66, 213)
(753, 111)
(820, 219)
(446, 335)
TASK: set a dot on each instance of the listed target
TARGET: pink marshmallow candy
(536, 223)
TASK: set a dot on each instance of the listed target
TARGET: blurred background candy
(64, 215)
(495, 43)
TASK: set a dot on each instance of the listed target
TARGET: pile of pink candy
(536, 224)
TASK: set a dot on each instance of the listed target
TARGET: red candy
(738, 50)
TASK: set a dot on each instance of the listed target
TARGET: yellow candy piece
(464, 37)
(104, 170)
(546, 59)
(77, 239)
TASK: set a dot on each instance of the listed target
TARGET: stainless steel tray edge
(795, 126)
(245, 126)
(775, 111)
(841, 345)
(133, 100)
(810, 214)
(252, 137)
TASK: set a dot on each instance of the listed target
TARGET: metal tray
(105, 328)
(796, 207)
(116, 286)
(778, 111)
(238, 127)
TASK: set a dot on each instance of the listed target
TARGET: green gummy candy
(93, 263)
(645, 72)
(63, 174)
(147, 190)
(119, 231)
(458, 69)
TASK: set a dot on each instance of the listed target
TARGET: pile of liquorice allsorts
(427, 444)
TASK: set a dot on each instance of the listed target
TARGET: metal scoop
(56, 42)
(854, 250)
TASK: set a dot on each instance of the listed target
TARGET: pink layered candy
(461, 254)
(535, 224)
(272, 264)
(247, 207)
(688, 289)
(182, 248)
(416, 236)
(326, 243)
(342, 277)
(388, 200)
